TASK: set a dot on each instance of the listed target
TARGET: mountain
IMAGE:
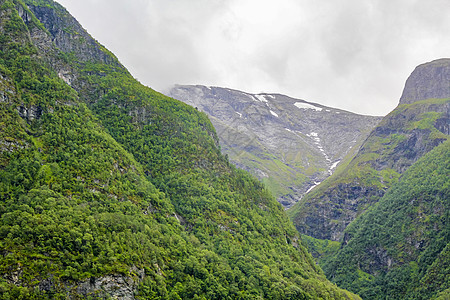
(400, 249)
(289, 144)
(109, 189)
(411, 130)
(379, 225)
(429, 80)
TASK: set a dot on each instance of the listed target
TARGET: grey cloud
(350, 54)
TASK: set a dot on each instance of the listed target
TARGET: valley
(112, 190)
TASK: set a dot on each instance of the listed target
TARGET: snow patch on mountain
(316, 183)
(251, 97)
(261, 98)
(307, 106)
(307, 137)
(334, 165)
(318, 143)
(315, 137)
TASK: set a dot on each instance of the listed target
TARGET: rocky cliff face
(414, 128)
(406, 231)
(109, 189)
(290, 144)
(68, 35)
(429, 80)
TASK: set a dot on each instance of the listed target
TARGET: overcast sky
(348, 54)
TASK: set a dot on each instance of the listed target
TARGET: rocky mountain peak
(290, 144)
(65, 33)
(429, 80)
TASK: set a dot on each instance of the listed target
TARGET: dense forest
(399, 249)
(110, 189)
(379, 226)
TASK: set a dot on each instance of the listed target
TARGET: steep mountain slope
(429, 80)
(400, 248)
(415, 127)
(289, 144)
(109, 189)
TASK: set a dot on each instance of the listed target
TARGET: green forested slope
(402, 137)
(400, 248)
(108, 188)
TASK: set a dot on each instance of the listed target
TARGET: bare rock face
(290, 144)
(109, 287)
(68, 35)
(429, 80)
(330, 213)
(30, 113)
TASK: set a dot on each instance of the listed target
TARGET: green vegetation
(388, 207)
(399, 140)
(278, 171)
(279, 175)
(321, 250)
(400, 247)
(109, 177)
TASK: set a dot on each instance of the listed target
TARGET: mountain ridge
(377, 226)
(428, 80)
(290, 144)
(109, 189)
(400, 139)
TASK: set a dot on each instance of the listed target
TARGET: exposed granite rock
(7, 90)
(114, 286)
(109, 287)
(328, 215)
(30, 113)
(288, 143)
(429, 80)
(61, 35)
(413, 141)
(68, 35)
